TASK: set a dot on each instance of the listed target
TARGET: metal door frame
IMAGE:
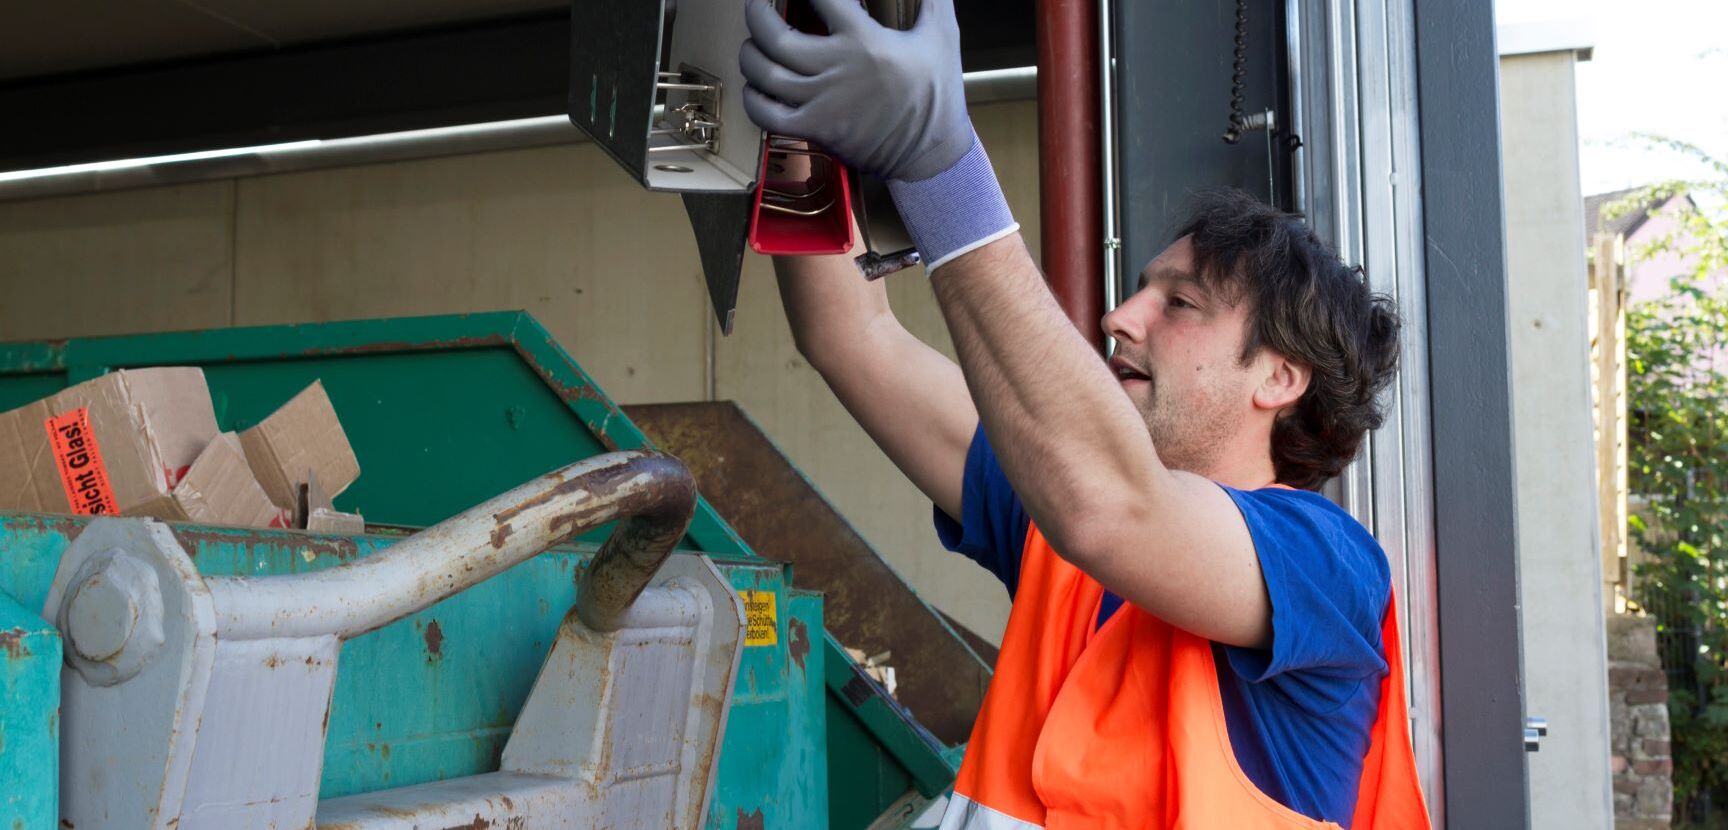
(1475, 517)
(1357, 177)
(1401, 170)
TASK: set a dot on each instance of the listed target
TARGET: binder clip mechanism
(691, 110)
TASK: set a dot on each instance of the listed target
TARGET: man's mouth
(1126, 371)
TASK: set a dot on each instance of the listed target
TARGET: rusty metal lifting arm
(654, 493)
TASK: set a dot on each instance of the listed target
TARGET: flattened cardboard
(133, 415)
(176, 402)
(218, 489)
(301, 440)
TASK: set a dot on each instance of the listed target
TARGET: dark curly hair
(1305, 304)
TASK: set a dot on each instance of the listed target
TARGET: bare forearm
(1064, 431)
(910, 398)
(828, 303)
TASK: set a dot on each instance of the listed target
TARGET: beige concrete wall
(608, 267)
(1565, 659)
(133, 261)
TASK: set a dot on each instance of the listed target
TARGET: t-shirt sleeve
(992, 527)
(1329, 584)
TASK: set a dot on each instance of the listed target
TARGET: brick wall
(1638, 711)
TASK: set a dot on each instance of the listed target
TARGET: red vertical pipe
(1069, 182)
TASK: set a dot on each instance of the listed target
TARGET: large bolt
(112, 618)
(103, 613)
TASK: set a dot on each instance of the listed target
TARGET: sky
(1660, 66)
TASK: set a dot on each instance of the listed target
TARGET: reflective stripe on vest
(965, 814)
(1121, 727)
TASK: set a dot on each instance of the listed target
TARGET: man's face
(1179, 358)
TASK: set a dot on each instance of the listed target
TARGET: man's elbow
(1092, 539)
(841, 348)
(824, 347)
(811, 346)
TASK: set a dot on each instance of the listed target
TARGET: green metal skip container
(444, 413)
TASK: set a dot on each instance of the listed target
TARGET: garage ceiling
(97, 80)
(78, 35)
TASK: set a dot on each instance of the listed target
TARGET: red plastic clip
(803, 196)
(803, 201)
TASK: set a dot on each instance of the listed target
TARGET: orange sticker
(82, 473)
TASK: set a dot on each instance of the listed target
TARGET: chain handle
(1238, 77)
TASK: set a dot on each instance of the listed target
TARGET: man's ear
(1283, 383)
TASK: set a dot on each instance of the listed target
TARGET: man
(1197, 639)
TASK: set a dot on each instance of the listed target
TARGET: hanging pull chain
(1238, 77)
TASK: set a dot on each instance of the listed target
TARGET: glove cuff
(955, 211)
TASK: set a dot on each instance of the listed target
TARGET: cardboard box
(144, 443)
(301, 441)
(106, 446)
(218, 489)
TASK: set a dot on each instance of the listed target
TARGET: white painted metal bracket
(656, 84)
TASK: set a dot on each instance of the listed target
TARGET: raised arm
(910, 398)
(892, 103)
(1171, 542)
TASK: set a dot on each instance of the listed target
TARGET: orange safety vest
(1122, 726)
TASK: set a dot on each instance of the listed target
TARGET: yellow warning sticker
(761, 623)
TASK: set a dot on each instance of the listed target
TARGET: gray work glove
(885, 101)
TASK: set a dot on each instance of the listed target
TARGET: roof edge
(1538, 36)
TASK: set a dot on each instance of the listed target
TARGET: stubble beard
(1192, 437)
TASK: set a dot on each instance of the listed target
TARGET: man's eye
(1178, 301)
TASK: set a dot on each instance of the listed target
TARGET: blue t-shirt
(1299, 714)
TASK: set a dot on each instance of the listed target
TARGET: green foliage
(1677, 401)
(1700, 746)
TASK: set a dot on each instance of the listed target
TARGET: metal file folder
(656, 85)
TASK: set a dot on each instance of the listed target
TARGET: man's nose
(1119, 325)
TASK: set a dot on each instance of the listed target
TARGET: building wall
(1565, 662)
(1658, 251)
(1642, 763)
(608, 267)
